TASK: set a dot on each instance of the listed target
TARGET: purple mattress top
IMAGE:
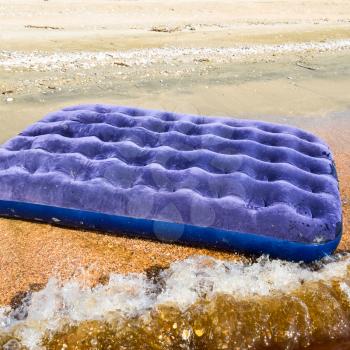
(238, 175)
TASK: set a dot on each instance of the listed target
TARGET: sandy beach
(285, 62)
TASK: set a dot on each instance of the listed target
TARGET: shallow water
(198, 303)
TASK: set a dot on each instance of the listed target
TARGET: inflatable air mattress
(223, 183)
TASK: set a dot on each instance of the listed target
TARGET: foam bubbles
(181, 286)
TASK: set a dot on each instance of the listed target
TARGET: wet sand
(308, 88)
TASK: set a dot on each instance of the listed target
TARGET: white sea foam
(46, 61)
(134, 294)
(189, 279)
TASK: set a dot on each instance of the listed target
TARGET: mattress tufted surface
(238, 175)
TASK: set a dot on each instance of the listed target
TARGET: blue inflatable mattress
(223, 183)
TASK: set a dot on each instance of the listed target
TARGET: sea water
(197, 303)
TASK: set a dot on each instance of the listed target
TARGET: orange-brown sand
(343, 166)
(31, 253)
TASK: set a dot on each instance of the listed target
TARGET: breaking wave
(198, 303)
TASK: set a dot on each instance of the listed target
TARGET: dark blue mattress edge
(171, 232)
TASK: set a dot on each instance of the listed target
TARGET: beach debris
(201, 60)
(42, 27)
(189, 27)
(299, 64)
(9, 99)
(6, 92)
(122, 64)
(85, 60)
(186, 334)
(167, 29)
(164, 29)
(199, 332)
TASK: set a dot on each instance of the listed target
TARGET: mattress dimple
(248, 176)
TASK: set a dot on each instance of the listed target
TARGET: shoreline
(46, 61)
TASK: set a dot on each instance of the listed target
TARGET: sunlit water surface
(198, 303)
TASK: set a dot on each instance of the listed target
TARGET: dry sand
(104, 25)
(284, 61)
